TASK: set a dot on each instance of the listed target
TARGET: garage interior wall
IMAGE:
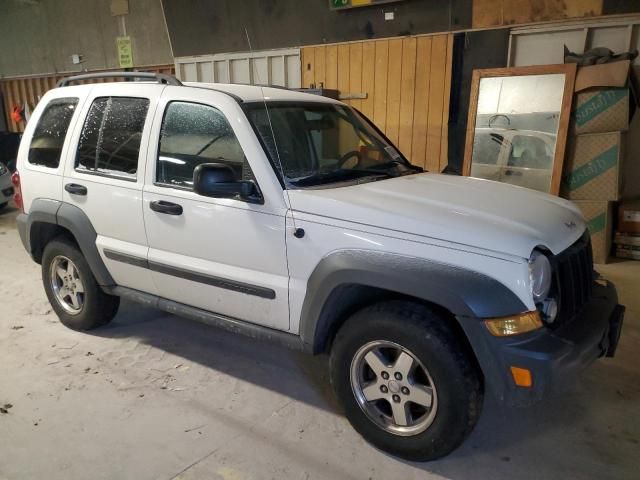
(271, 67)
(493, 13)
(406, 82)
(204, 27)
(39, 37)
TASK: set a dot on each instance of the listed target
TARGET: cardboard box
(598, 216)
(627, 245)
(604, 98)
(629, 217)
(591, 170)
(600, 110)
(628, 252)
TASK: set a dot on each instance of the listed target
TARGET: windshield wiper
(345, 174)
(387, 166)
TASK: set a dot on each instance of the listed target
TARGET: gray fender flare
(72, 219)
(462, 292)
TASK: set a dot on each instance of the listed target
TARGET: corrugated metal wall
(267, 67)
(18, 91)
(407, 82)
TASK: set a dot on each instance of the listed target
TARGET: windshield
(321, 143)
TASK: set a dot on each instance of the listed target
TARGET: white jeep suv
(290, 217)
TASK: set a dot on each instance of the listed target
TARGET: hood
(468, 211)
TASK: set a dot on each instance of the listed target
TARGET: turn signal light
(522, 377)
(514, 325)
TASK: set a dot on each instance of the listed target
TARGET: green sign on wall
(125, 55)
(344, 4)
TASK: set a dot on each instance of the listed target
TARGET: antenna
(273, 135)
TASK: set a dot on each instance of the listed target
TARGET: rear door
(223, 255)
(105, 174)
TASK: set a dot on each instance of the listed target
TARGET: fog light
(522, 377)
(514, 325)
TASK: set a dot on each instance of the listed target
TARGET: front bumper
(553, 357)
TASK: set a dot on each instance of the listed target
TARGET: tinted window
(193, 134)
(486, 148)
(531, 152)
(110, 139)
(49, 135)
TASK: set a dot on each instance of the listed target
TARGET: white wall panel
(545, 44)
(275, 67)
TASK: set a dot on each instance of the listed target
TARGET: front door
(223, 255)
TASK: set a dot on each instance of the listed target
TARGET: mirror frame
(568, 70)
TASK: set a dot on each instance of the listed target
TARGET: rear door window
(48, 137)
(110, 139)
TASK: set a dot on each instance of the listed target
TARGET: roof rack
(158, 77)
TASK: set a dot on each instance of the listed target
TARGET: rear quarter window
(48, 137)
(110, 138)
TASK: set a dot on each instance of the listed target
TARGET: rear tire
(423, 397)
(72, 289)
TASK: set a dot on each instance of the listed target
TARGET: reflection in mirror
(516, 129)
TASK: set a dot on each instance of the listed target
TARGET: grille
(574, 278)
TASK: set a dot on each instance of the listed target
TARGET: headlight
(539, 276)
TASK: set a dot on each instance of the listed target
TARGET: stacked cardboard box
(592, 175)
(627, 237)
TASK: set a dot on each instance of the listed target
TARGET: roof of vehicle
(242, 92)
(514, 131)
(254, 93)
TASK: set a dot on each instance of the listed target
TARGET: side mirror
(218, 180)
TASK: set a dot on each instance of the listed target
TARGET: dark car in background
(9, 142)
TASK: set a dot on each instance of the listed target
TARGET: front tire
(72, 289)
(409, 385)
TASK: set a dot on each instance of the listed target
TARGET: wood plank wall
(495, 13)
(17, 91)
(407, 82)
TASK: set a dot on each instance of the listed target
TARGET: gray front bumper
(553, 356)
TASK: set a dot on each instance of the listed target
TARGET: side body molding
(45, 213)
(462, 292)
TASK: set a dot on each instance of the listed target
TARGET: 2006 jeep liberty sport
(290, 217)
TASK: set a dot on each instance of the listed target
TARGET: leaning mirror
(518, 123)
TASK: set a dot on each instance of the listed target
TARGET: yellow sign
(125, 55)
(344, 4)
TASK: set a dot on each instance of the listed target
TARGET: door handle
(75, 189)
(515, 173)
(169, 208)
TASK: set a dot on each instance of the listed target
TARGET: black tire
(450, 364)
(98, 308)
(3, 205)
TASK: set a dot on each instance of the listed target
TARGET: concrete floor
(153, 396)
